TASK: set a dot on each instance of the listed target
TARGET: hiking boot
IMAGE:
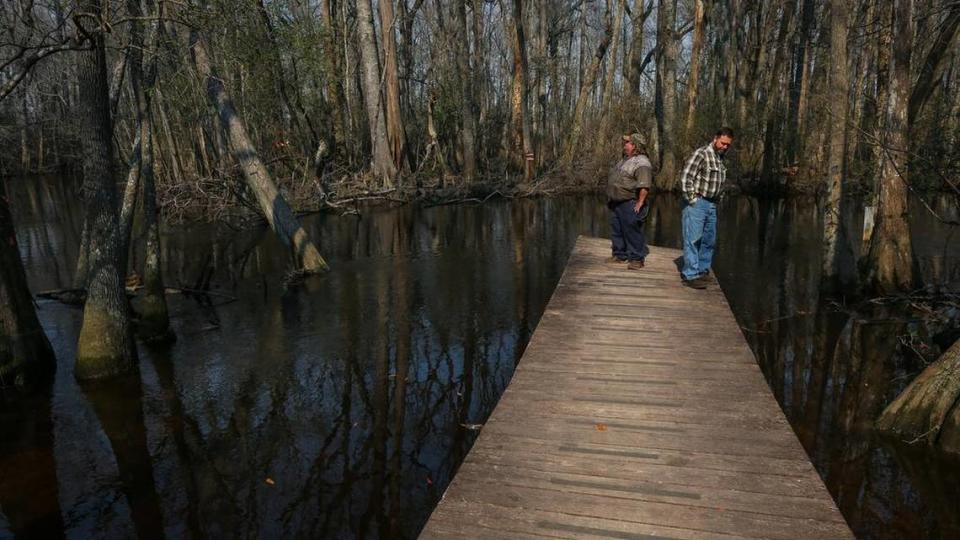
(614, 260)
(635, 265)
(707, 277)
(695, 283)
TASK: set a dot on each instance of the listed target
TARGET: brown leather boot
(696, 283)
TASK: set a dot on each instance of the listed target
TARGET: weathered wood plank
(637, 411)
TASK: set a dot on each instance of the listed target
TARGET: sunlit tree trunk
(772, 93)
(467, 106)
(25, 353)
(589, 80)
(666, 102)
(732, 59)
(633, 65)
(276, 210)
(480, 74)
(105, 347)
(544, 70)
(890, 260)
(883, 45)
(861, 60)
(519, 110)
(609, 78)
(382, 162)
(131, 188)
(693, 84)
(334, 77)
(813, 132)
(396, 133)
(839, 90)
(932, 66)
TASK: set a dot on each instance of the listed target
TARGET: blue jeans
(626, 230)
(699, 237)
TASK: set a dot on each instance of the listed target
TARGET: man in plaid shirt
(701, 182)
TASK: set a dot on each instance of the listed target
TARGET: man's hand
(641, 200)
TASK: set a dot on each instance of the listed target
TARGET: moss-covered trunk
(106, 346)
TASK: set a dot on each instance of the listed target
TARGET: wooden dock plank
(637, 411)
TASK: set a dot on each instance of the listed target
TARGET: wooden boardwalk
(637, 411)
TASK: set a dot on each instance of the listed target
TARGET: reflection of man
(701, 182)
(627, 186)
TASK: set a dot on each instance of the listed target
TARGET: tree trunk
(838, 97)
(694, 81)
(521, 143)
(797, 80)
(749, 58)
(928, 410)
(932, 65)
(861, 68)
(24, 135)
(105, 347)
(666, 102)
(480, 74)
(589, 79)
(890, 261)
(772, 94)
(382, 161)
(154, 315)
(467, 106)
(609, 79)
(129, 203)
(813, 133)
(26, 357)
(542, 59)
(279, 215)
(632, 69)
(396, 134)
(176, 163)
(883, 45)
(334, 77)
(82, 271)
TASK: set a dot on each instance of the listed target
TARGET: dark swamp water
(341, 407)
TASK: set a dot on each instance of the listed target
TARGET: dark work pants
(626, 230)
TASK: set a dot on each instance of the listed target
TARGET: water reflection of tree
(118, 406)
(28, 476)
(832, 369)
(355, 394)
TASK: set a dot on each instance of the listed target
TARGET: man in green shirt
(628, 184)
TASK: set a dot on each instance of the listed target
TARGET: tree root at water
(928, 410)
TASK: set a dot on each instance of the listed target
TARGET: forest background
(402, 99)
(214, 109)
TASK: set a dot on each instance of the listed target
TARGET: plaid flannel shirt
(704, 174)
